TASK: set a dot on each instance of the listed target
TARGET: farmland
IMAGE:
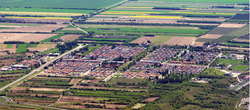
(138, 54)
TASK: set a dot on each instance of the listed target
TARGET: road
(7, 99)
(40, 68)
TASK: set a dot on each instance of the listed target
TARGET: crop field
(53, 37)
(21, 48)
(8, 76)
(42, 47)
(233, 34)
(69, 37)
(181, 41)
(166, 12)
(43, 28)
(39, 17)
(61, 3)
(25, 37)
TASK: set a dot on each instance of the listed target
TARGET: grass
(60, 3)
(213, 71)
(240, 67)
(70, 26)
(32, 45)
(160, 40)
(9, 45)
(21, 48)
(229, 61)
(53, 37)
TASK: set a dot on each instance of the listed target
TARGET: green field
(160, 40)
(213, 71)
(21, 48)
(2, 100)
(240, 67)
(236, 44)
(234, 34)
(60, 3)
(206, 1)
(9, 45)
(54, 37)
(229, 61)
(45, 10)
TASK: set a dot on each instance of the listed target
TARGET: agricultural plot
(42, 47)
(69, 37)
(166, 12)
(45, 28)
(7, 77)
(21, 48)
(39, 90)
(128, 33)
(52, 38)
(181, 41)
(25, 37)
(61, 3)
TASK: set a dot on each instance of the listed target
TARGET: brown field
(34, 94)
(181, 41)
(142, 39)
(241, 40)
(46, 45)
(151, 99)
(9, 60)
(11, 75)
(33, 101)
(44, 28)
(25, 37)
(79, 107)
(96, 87)
(65, 99)
(74, 81)
(211, 36)
(38, 49)
(199, 43)
(47, 89)
(15, 89)
(3, 46)
(231, 25)
(3, 53)
(69, 37)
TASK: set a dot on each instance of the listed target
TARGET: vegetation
(52, 38)
(22, 48)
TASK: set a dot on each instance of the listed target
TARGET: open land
(181, 41)
(25, 37)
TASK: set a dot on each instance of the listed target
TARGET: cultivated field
(69, 37)
(181, 41)
(142, 40)
(44, 28)
(25, 37)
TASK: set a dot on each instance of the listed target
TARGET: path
(7, 99)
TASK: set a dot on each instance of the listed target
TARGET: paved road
(40, 68)
(7, 99)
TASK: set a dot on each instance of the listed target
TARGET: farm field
(44, 28)
(8, 76)
(25, 37)
(59, 3)
(127, 33)
(21, 48)
(41, 47)
(53, 37)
